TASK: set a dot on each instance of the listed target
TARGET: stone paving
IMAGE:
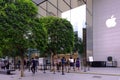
(92, 74)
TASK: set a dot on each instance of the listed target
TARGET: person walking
(33, 65)
(28, 64)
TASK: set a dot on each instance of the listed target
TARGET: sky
(77, 17)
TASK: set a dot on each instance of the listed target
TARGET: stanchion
(84, 68)
(68, 68)
(44, 69)
(88, 66)
(63, 69)
(53, 68)
(41, 67)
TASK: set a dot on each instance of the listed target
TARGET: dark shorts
(77, 65)
(71, 64)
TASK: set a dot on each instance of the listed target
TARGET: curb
(96, 73)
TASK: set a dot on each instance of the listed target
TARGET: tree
(60, 35)
(78, 44)
(20, 28)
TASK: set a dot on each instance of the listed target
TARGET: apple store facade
(103, 30)
(102, 25)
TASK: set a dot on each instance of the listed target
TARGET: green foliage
(78, 45)
(39, 35)
(60, 34)
(18, 27)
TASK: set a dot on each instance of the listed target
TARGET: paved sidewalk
(111, 71)
(93, 74)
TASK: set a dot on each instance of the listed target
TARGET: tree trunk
(22, 66)
(51, 61)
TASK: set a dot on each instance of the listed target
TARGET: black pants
(33, 69)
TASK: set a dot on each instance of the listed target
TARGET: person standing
(71, 60)
(63, 61)
(78, 63)
(58, 64)
(7, 64)
(19, 63)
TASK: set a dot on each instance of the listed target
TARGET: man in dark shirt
(33, 63)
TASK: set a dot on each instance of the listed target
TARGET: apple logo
(111, 22)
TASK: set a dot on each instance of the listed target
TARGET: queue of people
(68, 64)
(58, 64)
